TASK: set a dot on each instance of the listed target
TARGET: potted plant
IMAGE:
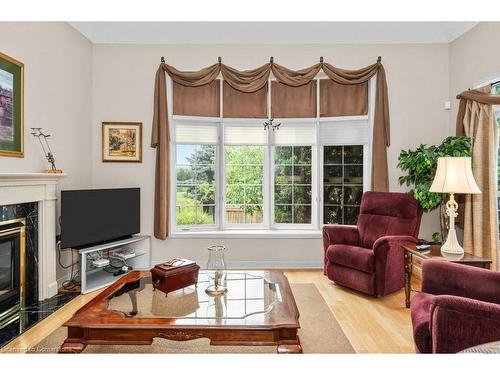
(419, 166)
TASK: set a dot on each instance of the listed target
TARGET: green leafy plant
(420, 165)
(189, 216)
(436, 237)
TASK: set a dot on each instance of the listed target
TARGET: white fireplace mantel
(18, 188)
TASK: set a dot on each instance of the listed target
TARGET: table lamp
(454, 176)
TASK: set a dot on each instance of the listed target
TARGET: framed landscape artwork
(11, 107)
(122, 142)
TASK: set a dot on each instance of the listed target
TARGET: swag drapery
(251, 81)
(476, 120)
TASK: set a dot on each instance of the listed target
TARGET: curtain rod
(271, 60)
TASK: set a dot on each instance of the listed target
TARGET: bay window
(235, 174)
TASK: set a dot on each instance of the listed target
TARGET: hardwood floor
(373, 325)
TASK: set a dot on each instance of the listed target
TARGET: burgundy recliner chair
(369, 257)
(459, 307)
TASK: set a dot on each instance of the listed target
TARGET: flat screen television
(90, 217)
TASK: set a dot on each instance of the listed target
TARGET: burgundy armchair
(459, 307)
(369, 257)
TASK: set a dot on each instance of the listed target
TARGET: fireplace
(12, 268)
(27, 229)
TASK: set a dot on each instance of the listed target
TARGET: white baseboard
(52, 289)
(265, 264)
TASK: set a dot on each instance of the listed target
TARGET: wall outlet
(447, 105)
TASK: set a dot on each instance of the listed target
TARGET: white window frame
(265, 192)
(173, 174)
(314, 175)
(268, 227)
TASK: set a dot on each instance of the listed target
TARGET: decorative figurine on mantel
(42, 138)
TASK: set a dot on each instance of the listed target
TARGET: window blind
(245, 133)
(295, 134)
(196, 132)
(345, 132)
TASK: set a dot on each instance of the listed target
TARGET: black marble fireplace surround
(28, 211)
(35, 310)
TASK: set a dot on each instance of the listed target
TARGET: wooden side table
(434, 252)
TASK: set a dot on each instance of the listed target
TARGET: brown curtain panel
(251, 81)
(239, 104)
(197, 101)
(289, 101)
(342, 100)
(477, 121)
(160, 140)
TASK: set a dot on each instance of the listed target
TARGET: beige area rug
(319, 333)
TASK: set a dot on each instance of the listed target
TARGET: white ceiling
(271, 32)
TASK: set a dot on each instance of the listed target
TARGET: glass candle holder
(216, 267)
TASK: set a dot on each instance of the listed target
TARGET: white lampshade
(454, 175)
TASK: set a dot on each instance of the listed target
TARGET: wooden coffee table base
(286, 341)
(94, 324)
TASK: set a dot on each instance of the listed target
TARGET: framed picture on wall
(11, 107)
(122, 142)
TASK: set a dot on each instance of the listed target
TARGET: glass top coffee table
(250, 295)
(258, 309)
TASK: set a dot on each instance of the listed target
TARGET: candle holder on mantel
(216, 267)
(43, 139)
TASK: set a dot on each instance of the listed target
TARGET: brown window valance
(342, 100)
(288, 101)
(197, 101)
(238, 104)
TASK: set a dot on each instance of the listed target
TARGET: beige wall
(71, 86)
(474, 58)
(123, 91)
(57, 95)
(58, 88)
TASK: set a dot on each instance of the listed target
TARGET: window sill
(264, 233)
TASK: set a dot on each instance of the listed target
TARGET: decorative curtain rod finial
(321, 59)
(379, 59)
(219, 59)
(271, 60)
(162, 60)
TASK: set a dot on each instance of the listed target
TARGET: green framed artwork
(11, 107)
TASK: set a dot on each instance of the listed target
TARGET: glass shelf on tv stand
(111, 244)
(93, 278)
